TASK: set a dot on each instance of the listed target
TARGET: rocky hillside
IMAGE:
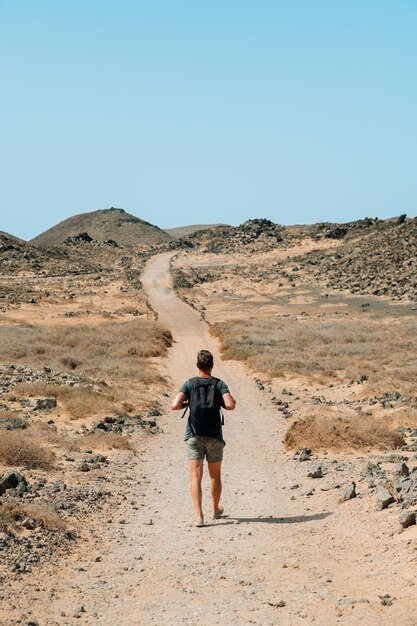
(380, 262)
(104, 225)
(23, 266)
(254, 235)
(9, 236)
(369, 256)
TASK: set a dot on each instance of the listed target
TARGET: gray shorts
(200, 447)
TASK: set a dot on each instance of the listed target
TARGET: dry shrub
(342, 433)
(13, 512)
(325, 350)
(106, 440)
(48, 434)
(114, 347)
(78, 401)
(19, 448)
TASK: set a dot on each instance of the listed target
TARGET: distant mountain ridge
(9, 236)
(102, 225)
(184, 231)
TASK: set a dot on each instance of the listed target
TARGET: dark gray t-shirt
(186, 388)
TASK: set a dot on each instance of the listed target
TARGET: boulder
(11, 480)
(383, 498)
(12, 423)
(45, 404)
(348, 492)
(407, 518)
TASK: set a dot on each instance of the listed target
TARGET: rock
(12, 423)
(351, 601)
(45, 404)
(11, 481)
(303, 454)
(29, 523)
(277, 602)
(401, 469)
(349, 492)
(383, 498)
(149, 522)
(315, 472)
(84, 467)
(386, 599)
(407, 518)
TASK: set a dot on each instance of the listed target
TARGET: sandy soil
(327, 562)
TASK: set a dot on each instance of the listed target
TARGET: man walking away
(205, 396)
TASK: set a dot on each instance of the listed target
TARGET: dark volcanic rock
(11, 481)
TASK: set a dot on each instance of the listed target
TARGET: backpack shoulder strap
(192, 381)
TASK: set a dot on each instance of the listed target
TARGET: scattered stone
(277, 602)
(351, 601)
(316, 472)
(45, 404)
(407, 518)
(12, 423)
(386, 599)
(401, 469)
(303, 454)
(348, 492)
(383, 498)
(29, 524)
(11, 481)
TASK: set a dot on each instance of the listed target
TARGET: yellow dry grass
(19, 448)
(326, 351)
(107, 349)
(342, 433)
(11, 513)
(79, 402)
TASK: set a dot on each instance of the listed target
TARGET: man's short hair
(204, 360)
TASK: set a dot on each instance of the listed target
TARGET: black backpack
(206, 418)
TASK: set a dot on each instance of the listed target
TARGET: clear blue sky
(193, 112)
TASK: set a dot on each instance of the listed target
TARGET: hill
(184, 231)
(103, 225)
(9, 236)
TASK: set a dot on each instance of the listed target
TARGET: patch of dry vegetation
(11, 513)
(114, 348)
(79, 402)
(326, 351)
(20, 449)
(340, 433)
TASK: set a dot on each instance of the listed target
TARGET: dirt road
(327, 562)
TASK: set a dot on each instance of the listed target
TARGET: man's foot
(199, 522)
(219, 513)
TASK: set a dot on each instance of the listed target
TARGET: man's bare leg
(215, 484)
(196, 476)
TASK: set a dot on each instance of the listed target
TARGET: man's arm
(228, 401)
(179, 402)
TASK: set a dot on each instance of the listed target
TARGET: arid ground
(319, 470)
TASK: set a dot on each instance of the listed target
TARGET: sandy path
(309, 551)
